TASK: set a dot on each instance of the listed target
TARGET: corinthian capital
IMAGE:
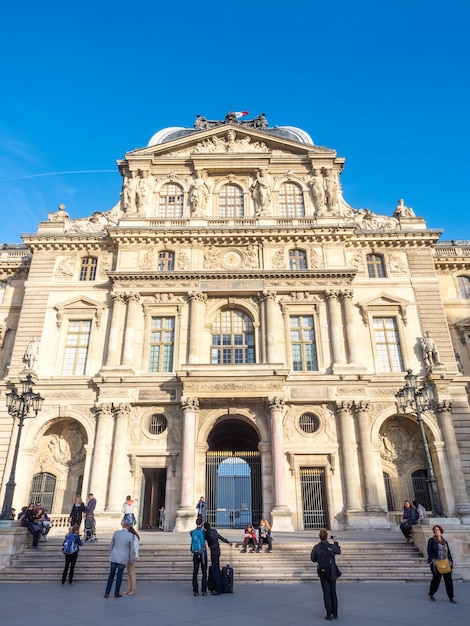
(277, 403)
(190, 404)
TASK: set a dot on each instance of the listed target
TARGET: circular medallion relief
(232, 259)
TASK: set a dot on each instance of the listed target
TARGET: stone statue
(129, 190)
(331, 190)
(318, 191)
(261, 192)
(143, 191)
(402, 210)
(199, 195)
(430, 351)
(260, 121)
(59, 216)
(31, 355)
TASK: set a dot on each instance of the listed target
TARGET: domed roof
(171, 133)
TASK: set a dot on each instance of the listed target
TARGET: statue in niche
(129, 190)
(261, 192)
(430, 351)
(402, 210)
(143, 191)
(318, 191)
(199, 195)
(31, 355)
(331, 190)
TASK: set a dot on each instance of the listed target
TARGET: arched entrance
(233, 474)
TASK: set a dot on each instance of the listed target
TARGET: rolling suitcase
(227, 579)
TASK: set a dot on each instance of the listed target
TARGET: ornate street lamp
(28, 404)
(419, 400)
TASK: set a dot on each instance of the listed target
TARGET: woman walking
(76, 514)
(323, 554)
(438, 550)
(131, 565)
(70, 548)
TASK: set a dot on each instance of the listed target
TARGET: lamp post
(419, 399)
(28, 404)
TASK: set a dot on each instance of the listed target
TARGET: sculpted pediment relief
(383, 302)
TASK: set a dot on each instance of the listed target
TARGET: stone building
(233, 328)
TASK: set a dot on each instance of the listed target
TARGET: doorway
(152, 497)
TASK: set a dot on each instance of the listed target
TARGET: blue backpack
(70, 544)
(198, 542)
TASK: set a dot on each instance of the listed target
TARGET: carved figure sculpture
(430, 351)
(199, 194)
(402, 210)
(59, 216)
(331, 190)
(129, 190)
(143, 191)
(31, 355)
(318, 191)
(261, 192)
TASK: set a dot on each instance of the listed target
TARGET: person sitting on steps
(264, 535)
(250, 538)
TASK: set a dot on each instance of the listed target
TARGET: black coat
(433, 553)
(76, 514)
(330, 549)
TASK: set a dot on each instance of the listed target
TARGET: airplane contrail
(56, 173)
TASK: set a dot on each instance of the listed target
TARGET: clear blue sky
(386, 84)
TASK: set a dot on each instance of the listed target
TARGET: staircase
(360, 561)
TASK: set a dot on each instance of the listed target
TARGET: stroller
(90, 529)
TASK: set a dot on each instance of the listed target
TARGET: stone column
(352, 345)
(369, 462)
(349, 463)
(101, 455)
(186, 513)
(462, 506)
(133, 300)
(281, 514)
(197, 301)
(113, 359)
(336, 328)
(269, 299)
(120, 475)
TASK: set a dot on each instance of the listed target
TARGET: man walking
(121, 552)
(199, 552)
(213, 538)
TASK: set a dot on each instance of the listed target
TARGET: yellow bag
(443, 566)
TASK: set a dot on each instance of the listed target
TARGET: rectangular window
(302, 339)
(162, 344)
(76, 349)
(389, 356)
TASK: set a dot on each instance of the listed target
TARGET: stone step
(289, 563)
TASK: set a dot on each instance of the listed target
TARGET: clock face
(231, 259)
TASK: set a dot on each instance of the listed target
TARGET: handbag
(443, 565)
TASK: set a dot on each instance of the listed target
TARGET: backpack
(70, 544)
(197, 541)
(325, 562)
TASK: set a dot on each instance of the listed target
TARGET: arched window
(88, 268)
(231, 201)
(421, 489)
(171, 201)
(297, 260)
(43, 489)
(233, 340)
(375, 266)
(166, 261)
(291, 200)
(464, 286)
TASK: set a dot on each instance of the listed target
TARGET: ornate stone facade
(233, 316)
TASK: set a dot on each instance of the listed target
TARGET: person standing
(121, 552)
(131, 581)
(29, 520)
(128, 510)
(213, 538)
(410, 519)
(76, 514)
(438, 549)
(70, 548)
(323, 554)
(199, 552)
(91, 505)
(201, 508)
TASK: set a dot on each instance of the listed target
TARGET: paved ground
(360, 604)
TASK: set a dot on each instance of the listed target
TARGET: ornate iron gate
(233, 488)
(312, 480)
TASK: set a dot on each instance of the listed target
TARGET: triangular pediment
(383, 299)
(228, 139)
